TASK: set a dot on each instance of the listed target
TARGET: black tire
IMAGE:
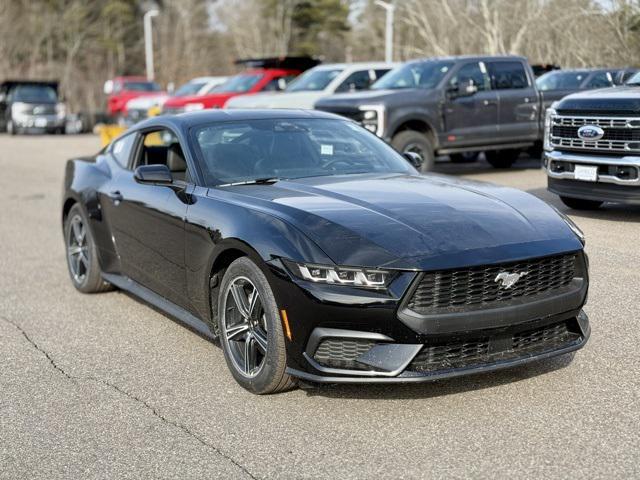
(502, 158)
(82, 257)
(416, 142)
(466, 157)
(581, 204)
(263, 371)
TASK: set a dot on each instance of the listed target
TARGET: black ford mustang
(315, 251)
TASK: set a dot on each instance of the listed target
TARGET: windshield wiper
(257, 181)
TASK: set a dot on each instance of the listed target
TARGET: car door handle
(489, 102)
(115, 196)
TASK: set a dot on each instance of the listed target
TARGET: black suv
(451, 105)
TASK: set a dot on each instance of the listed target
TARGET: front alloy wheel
(245, 327)
(251, 330)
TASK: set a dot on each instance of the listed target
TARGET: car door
(518, 112)
(147, 220)
(470, 119)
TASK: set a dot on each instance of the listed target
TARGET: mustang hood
(413, 222)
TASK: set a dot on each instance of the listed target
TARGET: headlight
(193, 107)
(357, 277)
(548, 119)
(373, 118)
(20, 108)
(571, 224)
(61, 110)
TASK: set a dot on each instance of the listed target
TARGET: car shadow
(438, 388)
(612, 212)
(480, 166)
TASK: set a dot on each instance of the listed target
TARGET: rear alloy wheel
(416, 142)
(581, 204)
(82, 258)
(250, 330)
(502, 158)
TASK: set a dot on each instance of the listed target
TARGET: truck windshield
(264, 150)
(313, 80)
(241, 83)
(34, 94)
(560, 80)
(414, 75)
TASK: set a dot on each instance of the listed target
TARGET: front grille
(433, 358)
(342, 353)
(475, 288)
(621, 134)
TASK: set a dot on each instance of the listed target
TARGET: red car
(263, 75)
(122, 89)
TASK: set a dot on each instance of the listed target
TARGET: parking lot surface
(103, 386)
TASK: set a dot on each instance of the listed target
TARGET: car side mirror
(153, 174)
(108, 87)
(282, 84)
(413, 158)
(466, 88)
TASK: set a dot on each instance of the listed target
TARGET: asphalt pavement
(103, 386)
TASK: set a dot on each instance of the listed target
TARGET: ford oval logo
(590, 132)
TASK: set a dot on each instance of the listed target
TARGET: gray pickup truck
(453, 105)
(592, 146)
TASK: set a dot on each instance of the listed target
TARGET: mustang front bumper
(341, 334)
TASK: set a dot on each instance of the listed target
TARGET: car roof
(356, 65)
(479, 58)
(191, 119)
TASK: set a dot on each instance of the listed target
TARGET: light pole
(388, 43)
(148, 42)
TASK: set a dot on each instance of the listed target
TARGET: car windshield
(414, 75)
(240, 83)
(560, 80)
(35, 94)
(313, 80)
(634, 79)
(189, 88)
(141, 87)
(257, 150)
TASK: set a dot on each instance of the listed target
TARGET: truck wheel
(502, 158)
(581, 204)
(466, 157)
(416, 142)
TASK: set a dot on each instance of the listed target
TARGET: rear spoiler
(289, 63)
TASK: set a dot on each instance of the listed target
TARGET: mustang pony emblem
(508, 280)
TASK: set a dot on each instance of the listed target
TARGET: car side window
(476, 72)
(600, 80)
(161, 147)
(121, 149)
(508, 75)
(360, 80)
(381, 72)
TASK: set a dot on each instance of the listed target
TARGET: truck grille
(620, 133)
(475, 288)
(470, 353)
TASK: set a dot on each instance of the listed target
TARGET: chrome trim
(631, 123)
(626, 161)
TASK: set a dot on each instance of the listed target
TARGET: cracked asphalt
(102, 386)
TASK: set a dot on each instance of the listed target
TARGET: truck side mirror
(466, 88)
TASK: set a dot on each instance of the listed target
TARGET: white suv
(317, 83)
